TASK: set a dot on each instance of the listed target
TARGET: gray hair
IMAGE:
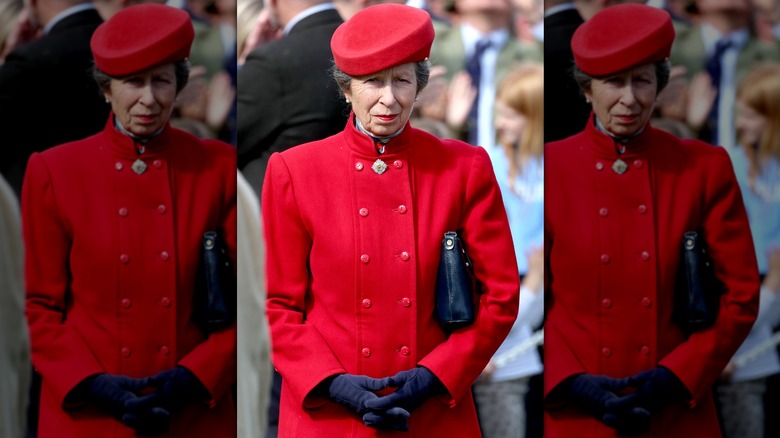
(662, 72)
(422, 70)
(181, 70)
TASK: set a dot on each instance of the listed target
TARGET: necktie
(474, 69)
(714, 63)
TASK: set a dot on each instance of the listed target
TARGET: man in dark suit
(566, 111)
(47, 95)
(286, 95)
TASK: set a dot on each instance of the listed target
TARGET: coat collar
(605, 146)
(126, 147)
(364, 145)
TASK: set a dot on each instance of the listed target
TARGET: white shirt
(66, 13)
(305, 13)
(487, 84)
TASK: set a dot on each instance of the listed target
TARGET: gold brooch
(619, 166)
(139, 166)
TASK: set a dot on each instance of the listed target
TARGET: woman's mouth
(386, 118)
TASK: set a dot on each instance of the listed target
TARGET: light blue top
(524, 204)
(762, 203)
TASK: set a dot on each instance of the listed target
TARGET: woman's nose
(388, 95)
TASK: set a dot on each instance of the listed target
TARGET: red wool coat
(352, 262)
(612, 246)
(111, 257)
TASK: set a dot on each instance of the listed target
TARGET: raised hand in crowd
(461, 96)
(265, 30)
(701, 96)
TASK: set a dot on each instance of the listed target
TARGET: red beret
(142, 36)
(622, 36)
(382, 36)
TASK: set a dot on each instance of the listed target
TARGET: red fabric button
(124, 258)
(402, 209)
(118, 166)
(638, 164)
(126, 352)
(162, 209)
(126, 303)
(603, 211)
(365, 258)
(165, 301)
(157, 163)
(646, 302)
(405, 351)
(365, 352)
(645, 350)
(604, 259)
(123, 212)
(645, 255)
(599, 166)
(165, 351)
(366, 303)
(164, 255)
(358, 166)
(404, 256)
(363, 212)
(398, 164)
(606, 352)
(406, 302)
(642, 209)
(606, 303)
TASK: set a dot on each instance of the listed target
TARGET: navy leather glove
(175, 388)
(655, 389)
(415, 386)
(148, 421)
(113, 393)
(591, 393)
(391, 419)
(628, 421)
(355, 391)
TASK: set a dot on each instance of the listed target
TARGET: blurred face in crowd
(750, 124)
(383, 101)
(470, 6)
(510, 124)
(710, 6)
(623, 102)
(142, 102)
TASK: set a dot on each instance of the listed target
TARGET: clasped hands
(391, 411)
(611, 401)
(149, 413)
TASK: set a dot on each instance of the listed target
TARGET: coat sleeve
(214, 361)
(728, 238)
(59, 353)
(459, 360)
(300, 352)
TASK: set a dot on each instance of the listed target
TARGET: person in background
(113, 228)
(371, 204)
(254, 343)
(15, 373)
(282, 100)
(45, 79)
(756, 162)
(616, 361)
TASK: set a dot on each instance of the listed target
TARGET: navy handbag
(456, 285)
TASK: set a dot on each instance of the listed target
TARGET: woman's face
(383, 101)
(750, 124)
(510, 124)
(142, 102)
(623, 102)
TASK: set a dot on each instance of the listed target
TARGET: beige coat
(254, 358)
(14, 341)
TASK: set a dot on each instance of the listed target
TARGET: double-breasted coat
(612, 250)
(111, 259)
(352, 263)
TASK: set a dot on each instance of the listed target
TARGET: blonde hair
(9, 13)
(760, 90)
(523, 91)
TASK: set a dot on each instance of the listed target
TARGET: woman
(620, 195)
(113, 227)
(757, 166)
(519, 168)
(355, 224)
